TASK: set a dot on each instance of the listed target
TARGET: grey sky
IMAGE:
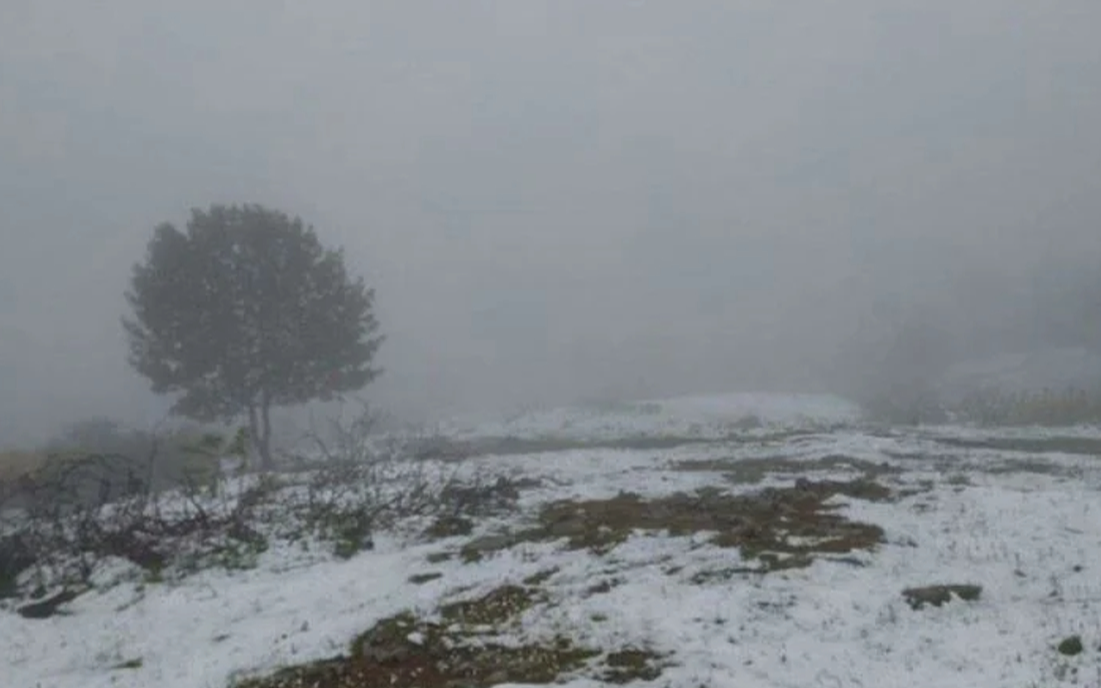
(555, 200)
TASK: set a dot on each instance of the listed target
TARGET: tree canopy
(246, 311)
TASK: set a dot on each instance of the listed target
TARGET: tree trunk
(253, 436)
(264, 445)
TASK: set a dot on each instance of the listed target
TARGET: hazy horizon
(557, 201)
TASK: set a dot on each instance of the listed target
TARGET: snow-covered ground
(1025, 525)
(706, 416)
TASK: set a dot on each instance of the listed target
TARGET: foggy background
(559, 200)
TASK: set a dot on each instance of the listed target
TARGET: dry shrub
(16, 462)
(15, 465)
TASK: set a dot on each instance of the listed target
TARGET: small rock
(47, 607)
(938, 595)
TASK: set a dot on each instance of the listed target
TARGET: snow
(702, 416)
(1031, 539)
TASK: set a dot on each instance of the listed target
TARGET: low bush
(65, 531)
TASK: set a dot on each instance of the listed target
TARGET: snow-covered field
(1023, 521)
(708, 416)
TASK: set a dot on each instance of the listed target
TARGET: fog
(560, 200)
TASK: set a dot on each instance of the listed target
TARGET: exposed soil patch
(1025, 456)
(1089, 446)
(1026, 461)
(778, 527)
(461, 645)
(448, 526)
(494, 609)
(632, 664)
(1037, 466)
(486, 499)
(460, 650)
(754, 470)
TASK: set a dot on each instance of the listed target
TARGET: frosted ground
(1015, 512)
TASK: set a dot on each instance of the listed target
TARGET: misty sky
(555, 200)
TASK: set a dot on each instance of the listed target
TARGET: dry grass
(403, 651)
(778, 527)
(754, 470)
(17, 463)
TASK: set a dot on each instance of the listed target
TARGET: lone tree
(246, 311)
